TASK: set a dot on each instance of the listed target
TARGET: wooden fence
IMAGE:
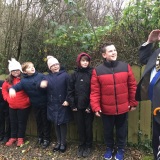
(139, 121)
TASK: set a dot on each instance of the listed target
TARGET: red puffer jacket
(113, 88)
(21, 100)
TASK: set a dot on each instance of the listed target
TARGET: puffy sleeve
(95, 92)
(131, 87)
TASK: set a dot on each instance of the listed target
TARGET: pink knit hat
(51, 61)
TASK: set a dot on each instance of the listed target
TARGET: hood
(79, 58)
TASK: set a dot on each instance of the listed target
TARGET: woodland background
(32, 29)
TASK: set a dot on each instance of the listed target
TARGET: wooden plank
(72, 131)
(145, 117)
(31, 125)
(133, 117)
(98, 130)
(95, 129)
(133, 126)
(145, 120)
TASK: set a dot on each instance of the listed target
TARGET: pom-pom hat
(14, 65)
(51, 61)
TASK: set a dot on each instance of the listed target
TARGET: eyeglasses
(15, 70)
(55, 64)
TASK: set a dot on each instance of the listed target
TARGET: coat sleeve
(95, 92)
(67, 84)
(144, 53)
(40, 79)
(18, 86)
(5, 92)
(71, 91)
(131, 88)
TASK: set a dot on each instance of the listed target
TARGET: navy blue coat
(31, 85)
(57, 92)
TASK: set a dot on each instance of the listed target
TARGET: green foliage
(145, 143)
(138, 19)
(148, 158)
(141, 16)
(78, 36)
(68, 39)
(72, 32)
(34, 48)
(70, 2)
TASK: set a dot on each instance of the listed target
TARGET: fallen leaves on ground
(31, 151)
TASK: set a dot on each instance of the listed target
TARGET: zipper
(115, 90)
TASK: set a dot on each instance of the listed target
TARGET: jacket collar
(110, 63)
(26, 75)
(80, 69)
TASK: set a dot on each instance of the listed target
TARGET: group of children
(53, 97)
(108, 90)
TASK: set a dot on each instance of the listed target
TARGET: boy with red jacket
(113, 88)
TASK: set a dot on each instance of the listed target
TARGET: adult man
(149, 85)
(113, 88)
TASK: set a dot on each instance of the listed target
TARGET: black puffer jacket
(79, 88)
(1, 97)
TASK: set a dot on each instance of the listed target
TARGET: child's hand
(88, 110)
(98, 114)
(74, 109)
(12, 93)
(44, 84)
(131, 108)
(65, 103)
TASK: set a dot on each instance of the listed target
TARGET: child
(38, 97)
(18, 106)
(113, 88)
(57, 111)
(79, 100)
(4, 118)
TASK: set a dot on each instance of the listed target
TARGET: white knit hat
(51, 61)
(14, 65)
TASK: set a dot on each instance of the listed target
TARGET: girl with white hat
(18, 106)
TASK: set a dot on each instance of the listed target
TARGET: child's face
(16, 73)
(55, 68)
(30, 69)
(111, 53)
(84, 63)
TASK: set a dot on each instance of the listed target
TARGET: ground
(31, 151)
